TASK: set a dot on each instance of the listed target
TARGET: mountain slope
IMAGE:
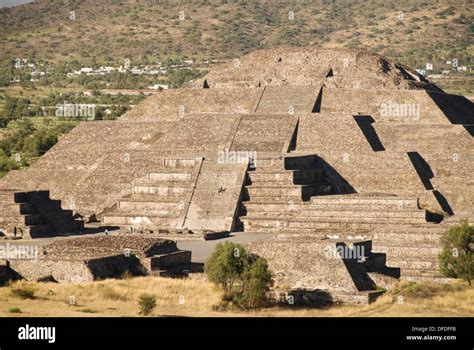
(113, 30)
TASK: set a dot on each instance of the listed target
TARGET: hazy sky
(5, 3)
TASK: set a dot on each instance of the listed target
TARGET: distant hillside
(112, 29)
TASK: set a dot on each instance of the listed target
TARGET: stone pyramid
(303, 143)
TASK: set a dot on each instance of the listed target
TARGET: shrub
(257, 281)
(456, 258)
(147, 303)
(14, 310)
(23, 293)
(244, 278)
(88, 311)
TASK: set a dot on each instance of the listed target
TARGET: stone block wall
(171, 105)
(73, 271)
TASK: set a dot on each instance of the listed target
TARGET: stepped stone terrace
(342, 146)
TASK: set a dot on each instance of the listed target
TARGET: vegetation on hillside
(143, 31)
(24, 142)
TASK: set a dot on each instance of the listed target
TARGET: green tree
(257, 282)
(244, 278)
(226, 265)
(456, 258)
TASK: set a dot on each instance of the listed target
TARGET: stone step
(150, 205)
(179, 163)
(176, 198)
(254, 206)
(262, 191)
(278, 190)
(412, 263)
(12, 196)
(391, 238)
(281, 226)
(159, 262)
(354, 223)
(147, 213)
(165, 189)
(361, 200)
(401, 250)
(21, 208)
(275, 200)
(274, 163)
(140, 219)
(310, 212)
(269, 219)
(402, 244)
(169, 176)
(322, 233)
(423, 228)
(28, 219)
(290, 177)
(358, 207)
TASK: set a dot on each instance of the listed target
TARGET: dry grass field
(196, 298)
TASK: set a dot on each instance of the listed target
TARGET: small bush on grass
(23, 293)
(147, 303)
(88, 311)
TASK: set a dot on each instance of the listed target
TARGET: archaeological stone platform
(307, 143)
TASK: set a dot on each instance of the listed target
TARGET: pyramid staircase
(359, 269)
(159, 200)
(326, 271)
(34, 214)
(275, 193)
(299, 202)
(299, 198)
